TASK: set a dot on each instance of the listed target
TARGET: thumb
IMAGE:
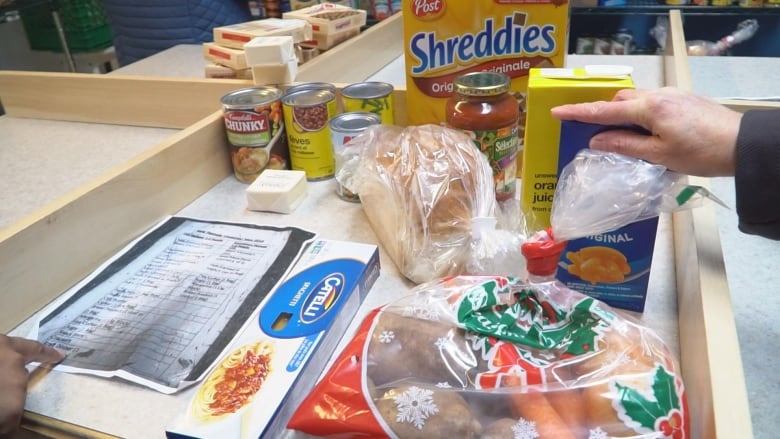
(626, 142)
(34, 351)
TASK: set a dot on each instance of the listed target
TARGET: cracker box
(276, 359)
(613, 267)
(329, 18)
(446, 38)
(237, 35)
(548, 88)
(225, 56)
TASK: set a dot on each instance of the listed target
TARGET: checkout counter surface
(40, 172)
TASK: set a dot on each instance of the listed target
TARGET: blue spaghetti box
(272, 364)
(613, 267)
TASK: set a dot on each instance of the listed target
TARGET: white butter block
(266, 74)
(277, 191)
(269, 50)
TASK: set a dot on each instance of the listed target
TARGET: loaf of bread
(420, 187)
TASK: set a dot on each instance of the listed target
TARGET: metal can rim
(265, 95)
(318, 97)
(338, 121)
(367, 90)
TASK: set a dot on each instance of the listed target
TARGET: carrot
(571, 408)
(534, 406)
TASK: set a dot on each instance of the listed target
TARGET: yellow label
(308, 138)
(539, 174)
(446, 38)
(382, 106)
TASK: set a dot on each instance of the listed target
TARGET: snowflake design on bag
(441, 343)
(597, 433)
(415, 406)
(444, 385)
(386, 337)
(525, 429)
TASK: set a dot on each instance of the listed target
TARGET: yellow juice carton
(548, 88)
(444, 39)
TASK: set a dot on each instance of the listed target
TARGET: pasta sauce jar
(482, 107)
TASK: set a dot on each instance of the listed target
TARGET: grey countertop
(51, 172)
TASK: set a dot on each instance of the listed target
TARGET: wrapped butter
(268, 74)
(270, 50)
(277, 190)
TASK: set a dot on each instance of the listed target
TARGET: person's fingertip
(599, 143)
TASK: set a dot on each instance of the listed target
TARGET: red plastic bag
(491, 357)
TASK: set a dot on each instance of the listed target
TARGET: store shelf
(644, 7)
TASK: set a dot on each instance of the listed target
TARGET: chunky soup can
(306, 116)
(343, 128)
(373, 96)
(255, 131)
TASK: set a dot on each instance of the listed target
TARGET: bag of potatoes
(493, 357)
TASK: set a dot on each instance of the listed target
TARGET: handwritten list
(163, 311)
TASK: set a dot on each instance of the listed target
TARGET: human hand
(690, 134)
(15, 354)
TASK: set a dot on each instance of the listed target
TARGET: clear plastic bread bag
(493, 357)
(599, 191)
(429, 196)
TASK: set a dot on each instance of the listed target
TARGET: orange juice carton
(273, 362)
(444, 39)
(613, 267)
(548, 88)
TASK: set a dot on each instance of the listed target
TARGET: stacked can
(344, 128)
(255, 131)
(373, 97)
(306, 116)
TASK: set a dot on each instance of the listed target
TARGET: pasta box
(273, 362)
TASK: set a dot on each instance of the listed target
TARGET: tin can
(343, 128)
(255, 131)
(311, 86)
(375, 97)
(306, 116)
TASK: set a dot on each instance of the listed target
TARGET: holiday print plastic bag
(491, 357)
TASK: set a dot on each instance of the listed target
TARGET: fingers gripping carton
(446, 38)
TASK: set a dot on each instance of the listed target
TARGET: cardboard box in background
(446, 38)
(294, 333)
(613, 267)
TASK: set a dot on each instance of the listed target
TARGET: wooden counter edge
(58, 245)
(709, 345)
(166, 102)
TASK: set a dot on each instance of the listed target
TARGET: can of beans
(343, 128)
(373, 97)
(311, 86)
(255, 131)
(306, 116)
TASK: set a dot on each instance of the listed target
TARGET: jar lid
(482, 84)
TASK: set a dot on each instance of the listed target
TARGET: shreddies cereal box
(447, 38)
